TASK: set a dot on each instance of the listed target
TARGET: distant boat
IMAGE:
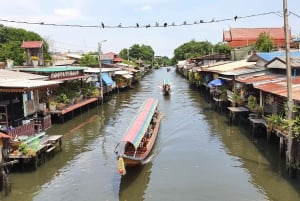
(166, 87)
(168, 69)
(140, 136)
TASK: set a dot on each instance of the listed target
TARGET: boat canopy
(166, 82)
(138, 127)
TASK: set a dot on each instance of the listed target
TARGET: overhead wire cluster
(156, 25)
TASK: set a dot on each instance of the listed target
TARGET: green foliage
(26, 150)
(12, 50)
(124, 54)
(222, 48)
(89, 60)
(11, 40)
(264, 43)
(192, 49)
(273, 120)
(136, 52)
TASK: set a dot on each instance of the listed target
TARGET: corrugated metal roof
(23, 83)
(274, 84)
(122, 72)
(259, 79)
(244, 71)
(229, 66)
(97, 70)
(280, 88)
(7, 74)
(268, 56)
(53, 69)
(280, 62)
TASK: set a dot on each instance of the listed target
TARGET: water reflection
(134, 184)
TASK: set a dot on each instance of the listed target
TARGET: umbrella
(215, 83)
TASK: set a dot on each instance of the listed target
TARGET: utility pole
(100, 69)
(290, 156)
(128, 58)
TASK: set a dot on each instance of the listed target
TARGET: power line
(137, 25)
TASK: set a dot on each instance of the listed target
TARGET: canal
(197, 156)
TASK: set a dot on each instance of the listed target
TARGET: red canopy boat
(140, 136)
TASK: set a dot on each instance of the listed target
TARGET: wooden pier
(48, 145)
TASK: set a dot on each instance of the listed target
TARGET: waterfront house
(22, 111)
(107, 78)
(262, 58)
(111, 58)
(73, 94)
(123, 79)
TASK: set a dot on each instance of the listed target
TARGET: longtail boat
(166, 87)
(140, 136)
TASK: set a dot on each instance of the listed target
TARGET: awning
(127, 76)
(108, 81)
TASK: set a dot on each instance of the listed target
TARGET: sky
(217, 15)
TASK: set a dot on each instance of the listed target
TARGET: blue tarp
(108, 81)
(215, 83)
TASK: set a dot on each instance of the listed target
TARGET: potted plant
(9, 63)
(47, 62)
(52, 105)
(34, 60)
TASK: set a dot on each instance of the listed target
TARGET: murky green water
(198, 156)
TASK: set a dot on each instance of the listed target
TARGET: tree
(11, 40)
(89, 60)
(124, 54)
(222, 48)
(264, 43)
(192, 49)
(136, 52)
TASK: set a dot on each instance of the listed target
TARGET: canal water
(197, 156)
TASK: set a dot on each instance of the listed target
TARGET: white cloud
(68, 12)
(146, 8)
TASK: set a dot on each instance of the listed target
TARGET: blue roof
(108, 81)
(268, 56)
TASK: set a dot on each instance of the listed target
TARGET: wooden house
(21, 110)
(110, 58)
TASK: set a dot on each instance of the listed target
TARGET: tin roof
(53, 69)
(280, 62)
(245, 71)
(268, 56)
(21, 85)
(8, 74)
(229, 66)
(280, 88)
(258, 79)
(273, 84)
